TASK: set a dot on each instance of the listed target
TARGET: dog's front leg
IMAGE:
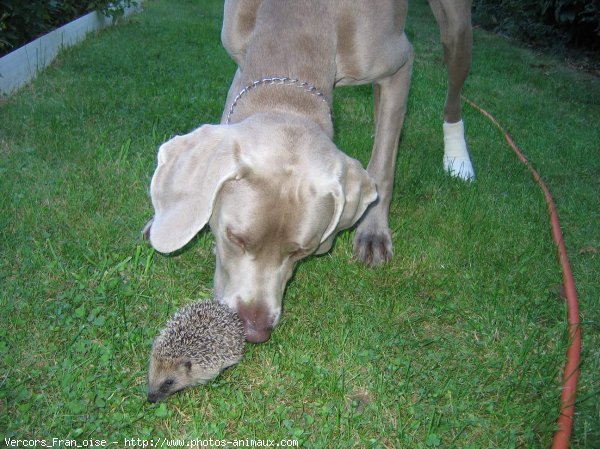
(373, 240)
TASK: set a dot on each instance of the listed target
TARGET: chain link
(281, 81)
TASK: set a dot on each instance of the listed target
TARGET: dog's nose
(257, 335)
(256, 320)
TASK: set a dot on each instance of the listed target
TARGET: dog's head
(273, 190)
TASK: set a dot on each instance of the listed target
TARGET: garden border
(22, 65)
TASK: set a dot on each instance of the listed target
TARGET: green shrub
(23, 21)
(572, 23)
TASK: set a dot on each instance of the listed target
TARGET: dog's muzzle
(257, 321)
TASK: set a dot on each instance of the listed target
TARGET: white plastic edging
(22, 65)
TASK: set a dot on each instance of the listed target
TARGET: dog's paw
(457, 161)
(460, 168)
(373, 248)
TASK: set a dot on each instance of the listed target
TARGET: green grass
(458, 343)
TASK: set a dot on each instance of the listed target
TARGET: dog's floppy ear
(353, 190)
(191, 170)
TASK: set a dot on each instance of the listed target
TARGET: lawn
(459, 342)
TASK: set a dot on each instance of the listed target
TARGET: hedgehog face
(169, 376)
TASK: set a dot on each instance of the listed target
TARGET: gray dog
(269, 180)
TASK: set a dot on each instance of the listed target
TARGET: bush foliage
(23, 21)
(573, 23)
(570, 23)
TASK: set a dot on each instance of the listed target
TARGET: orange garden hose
(571, 369)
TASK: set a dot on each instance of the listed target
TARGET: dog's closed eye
(235, 239)
(299, 253)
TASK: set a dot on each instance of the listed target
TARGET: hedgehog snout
(153, 397)
(156, 395)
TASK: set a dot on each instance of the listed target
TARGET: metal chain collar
(281, 81)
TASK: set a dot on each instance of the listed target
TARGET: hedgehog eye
(188, 365)
(166, 385)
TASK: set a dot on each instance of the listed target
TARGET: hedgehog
(201, 340)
